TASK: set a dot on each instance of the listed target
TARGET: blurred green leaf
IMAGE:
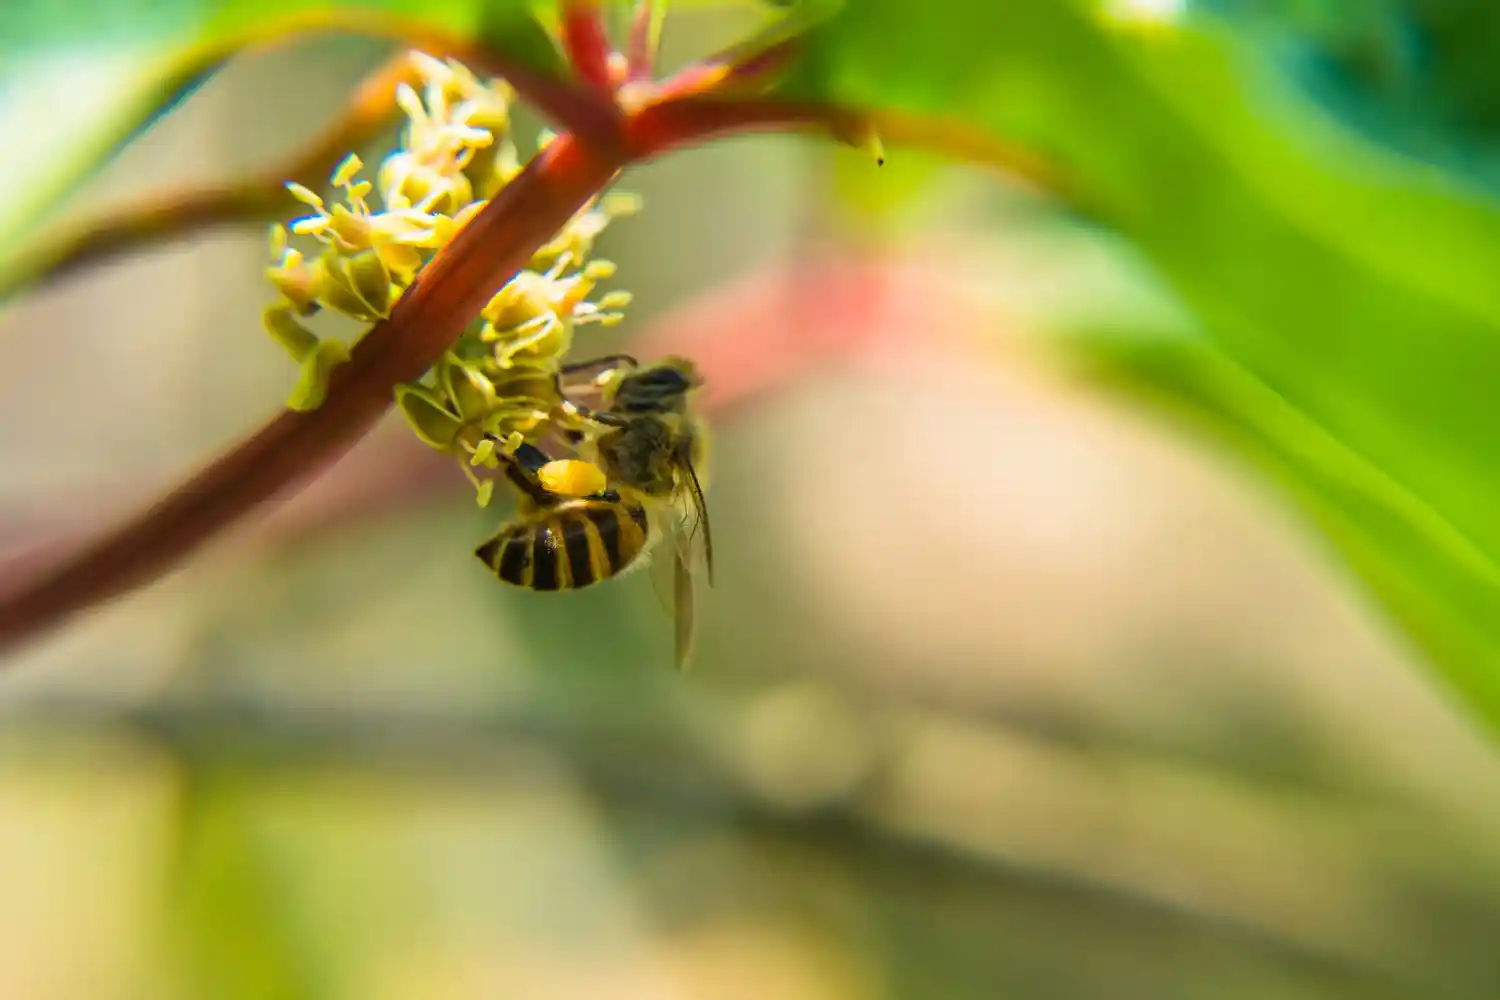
(1418, 75)
(232, 913)
(1348, 297)
(78, 79)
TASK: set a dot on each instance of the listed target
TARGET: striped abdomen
(568, 546)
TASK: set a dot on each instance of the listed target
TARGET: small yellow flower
(294, 277)
(357, 285)
(397, 235)
(407, 181)
(533, 316)
(455, 93)
(498, 386)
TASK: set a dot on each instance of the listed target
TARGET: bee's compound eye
(669, 380)
(653, 390)
(572, 477)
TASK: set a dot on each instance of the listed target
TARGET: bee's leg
(607, 364)
(572, 409)
(603, 417)
(521, 469)
(615, 361)
(530, 457)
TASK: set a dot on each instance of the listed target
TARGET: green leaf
(1348, 297)
(78, 78)
(880, 200)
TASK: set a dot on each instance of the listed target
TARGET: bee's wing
(673, 569)
(699, 536)
(686, 621)
(694, 542)
(661, 565)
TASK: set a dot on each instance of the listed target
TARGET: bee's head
(661, 388)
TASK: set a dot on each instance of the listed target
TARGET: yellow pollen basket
(572, 477)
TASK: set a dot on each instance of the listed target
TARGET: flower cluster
(499, 382)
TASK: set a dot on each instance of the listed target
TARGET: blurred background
(1007, 687)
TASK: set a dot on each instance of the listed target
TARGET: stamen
(347, 168)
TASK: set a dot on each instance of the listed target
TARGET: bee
(633, 487)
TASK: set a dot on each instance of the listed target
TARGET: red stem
(640, 49)
(580, 112)
(587, 43)
(733, 70)
(452, 289)
(666, 125)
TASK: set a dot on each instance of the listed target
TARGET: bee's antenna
(609, 359)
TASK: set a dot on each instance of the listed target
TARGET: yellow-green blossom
(366, 241)
(530, 321)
